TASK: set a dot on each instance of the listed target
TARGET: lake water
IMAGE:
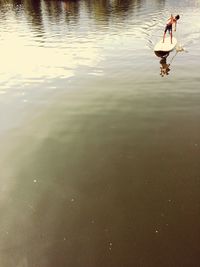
(100, 154)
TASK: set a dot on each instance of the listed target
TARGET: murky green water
(100, 155)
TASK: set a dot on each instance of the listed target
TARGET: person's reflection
(164, 66)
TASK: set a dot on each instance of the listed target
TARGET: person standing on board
(172, 20)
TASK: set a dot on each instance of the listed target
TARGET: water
(100, 154)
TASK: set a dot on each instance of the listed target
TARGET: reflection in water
(98, 167)
(123, 7)
(164, 69)
(100, 10)
(34, 14)
(16, 5)
(53, 10)
(71, 7)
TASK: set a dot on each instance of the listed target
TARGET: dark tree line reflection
(71, 9)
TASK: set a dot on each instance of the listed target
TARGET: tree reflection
(122, 7)
(15, 4)
(34, 13)
(99, 9)
(56, 10)
(52, 9)
(71, 8)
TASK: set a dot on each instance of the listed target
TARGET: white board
(166, 46)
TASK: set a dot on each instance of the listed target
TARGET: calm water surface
(100, 154)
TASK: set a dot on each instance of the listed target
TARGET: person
(172, 20)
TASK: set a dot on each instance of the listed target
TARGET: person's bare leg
(164, 36)
(171, 36)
